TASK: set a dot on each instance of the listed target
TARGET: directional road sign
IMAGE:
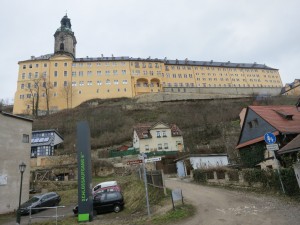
(270, 138)
(134, 162)
(153, 159)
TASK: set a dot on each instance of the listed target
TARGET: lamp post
(22, 168)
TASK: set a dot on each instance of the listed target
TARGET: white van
(103, 185)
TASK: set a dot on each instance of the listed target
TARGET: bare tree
(46, 88)
(34, 88)
(68, 92)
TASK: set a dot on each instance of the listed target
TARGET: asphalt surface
(219, 206)
(42, 215)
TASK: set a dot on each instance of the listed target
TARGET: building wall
(209, 161)
(73, 81)
(12, 152)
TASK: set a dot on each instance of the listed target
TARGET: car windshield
(33, 199)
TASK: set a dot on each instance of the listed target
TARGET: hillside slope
(209, 126)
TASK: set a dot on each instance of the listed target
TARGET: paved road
(218, 206)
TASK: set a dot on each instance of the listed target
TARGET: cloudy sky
(243, 31)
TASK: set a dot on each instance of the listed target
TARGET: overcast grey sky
(243, 31)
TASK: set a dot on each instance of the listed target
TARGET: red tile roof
(143, 130)
(278, 116)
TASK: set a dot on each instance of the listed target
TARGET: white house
(198, 161)
(157, 137)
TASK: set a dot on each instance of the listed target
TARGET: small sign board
(134, 162)
(3, 179)
(153, 159)
(273, 147)
(270, 138)
(177, 194)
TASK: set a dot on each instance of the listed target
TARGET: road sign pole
(146, 187)
(278, 171)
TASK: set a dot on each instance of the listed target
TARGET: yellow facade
(63, 81)
(292, 89)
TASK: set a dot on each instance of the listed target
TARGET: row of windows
(36, 65)
(89, 64)
(138, 72)
(160, 134)
(145, 65)
(149, 65)
(215, 85)
(159, 147)
(28, 96)
(237, 80)
(99, 73)
(99, 82)
(31, 75)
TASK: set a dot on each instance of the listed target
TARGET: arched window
(62, 47)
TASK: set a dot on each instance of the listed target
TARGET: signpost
(85, 200)
(270, 139)
(273, 147)
(134, 162)
(144, 156)
(153, 159)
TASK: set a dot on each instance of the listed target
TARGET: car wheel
(117, 208)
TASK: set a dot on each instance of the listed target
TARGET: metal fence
(55, 216)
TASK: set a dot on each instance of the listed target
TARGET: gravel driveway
(217, 205)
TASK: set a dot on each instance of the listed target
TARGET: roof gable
(286, 119)
(254, 127)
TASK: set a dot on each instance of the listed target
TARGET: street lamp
(22, 168)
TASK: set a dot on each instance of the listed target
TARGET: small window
(158, 134)
(159, 146)
(25, 138)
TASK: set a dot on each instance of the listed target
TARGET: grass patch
(180, 213)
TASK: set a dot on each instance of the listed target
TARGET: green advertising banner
(85, 200)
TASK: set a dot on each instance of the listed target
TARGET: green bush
(289, 181)
(200, 175)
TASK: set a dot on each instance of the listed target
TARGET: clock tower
(65, 41)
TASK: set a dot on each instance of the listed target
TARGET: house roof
(14, 116)
(143, 130)
(292, 146)
(185, 62)
(285, 119)
(47, 131)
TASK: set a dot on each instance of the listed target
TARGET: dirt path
(218, 206)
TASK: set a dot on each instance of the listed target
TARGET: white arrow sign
(153, 159)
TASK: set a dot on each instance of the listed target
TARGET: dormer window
(61, 47)
(253, 123)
